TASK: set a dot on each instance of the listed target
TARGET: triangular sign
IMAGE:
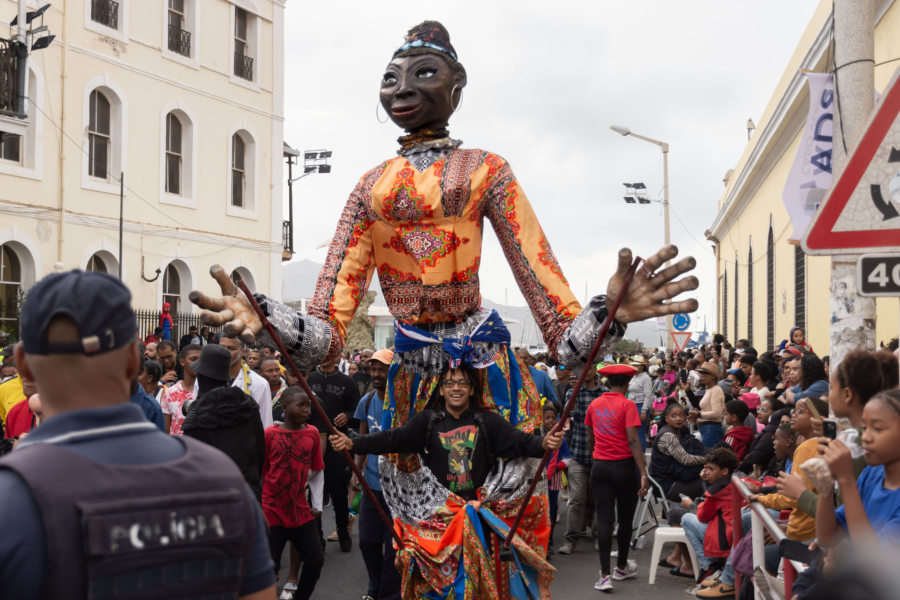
(680, 338)
(859, 214)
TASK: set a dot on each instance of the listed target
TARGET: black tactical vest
(179, 529)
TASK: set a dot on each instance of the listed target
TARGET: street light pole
(665, 152)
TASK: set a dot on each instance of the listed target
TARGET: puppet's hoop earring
(458, 104)
(377, 106)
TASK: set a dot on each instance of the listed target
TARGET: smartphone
(799, 551)
(829, 429)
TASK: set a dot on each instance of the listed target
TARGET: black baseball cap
(98, 304)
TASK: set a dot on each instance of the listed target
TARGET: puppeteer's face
(417, 91)
(456, 390)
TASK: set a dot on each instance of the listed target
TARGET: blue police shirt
(22, 549)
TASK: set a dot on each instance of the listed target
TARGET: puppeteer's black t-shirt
(457, 453)
(336, 392)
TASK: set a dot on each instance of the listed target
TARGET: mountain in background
(299, 282)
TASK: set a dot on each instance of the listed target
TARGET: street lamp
(314, 161)
(665, 152)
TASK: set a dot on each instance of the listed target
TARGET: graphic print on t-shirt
(605, 419)
(460, 443)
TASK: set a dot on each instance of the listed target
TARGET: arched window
(238, 171)
(799, 287)
(174, 155)
(96, 264)
(750, 295)
(243, 273)
(99, 135)
(10, 288)
(242, 166)
(172, 288)
(770, 290)
(104, 135)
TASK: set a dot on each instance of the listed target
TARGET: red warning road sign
(680, 339)
(860, 213)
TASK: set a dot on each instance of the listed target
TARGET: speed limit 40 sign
(878, 275)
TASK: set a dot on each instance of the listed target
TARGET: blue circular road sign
(681, 321)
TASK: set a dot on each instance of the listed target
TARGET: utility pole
(852, 315)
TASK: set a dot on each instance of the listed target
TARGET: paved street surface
(344, 575)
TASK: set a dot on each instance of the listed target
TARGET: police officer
(97, 502)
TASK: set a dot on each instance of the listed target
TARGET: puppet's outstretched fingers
(625, 260)
(665, 254)
(673, 288)
(216, 319)
(204, 301)
(234, 327)
(682, 306)
(225, 283)
(672, 271)
(247, 336)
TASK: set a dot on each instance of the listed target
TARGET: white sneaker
(567, 548)
(604, 584)
(630, 570)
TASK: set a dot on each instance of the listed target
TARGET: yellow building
(766, 284)
(183, 97)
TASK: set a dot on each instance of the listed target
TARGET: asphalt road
(344, 575)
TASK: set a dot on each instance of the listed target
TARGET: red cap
(617, 370)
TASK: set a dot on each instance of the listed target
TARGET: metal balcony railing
(9, 74)
(179, 41)
(243, 66)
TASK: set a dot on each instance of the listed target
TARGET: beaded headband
(433, 38)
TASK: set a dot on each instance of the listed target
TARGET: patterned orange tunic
(423, 230)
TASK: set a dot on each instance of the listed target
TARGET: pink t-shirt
(609, 416)
(171, 402)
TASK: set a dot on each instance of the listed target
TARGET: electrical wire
(132, 191)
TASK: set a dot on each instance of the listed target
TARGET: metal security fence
(148, 320)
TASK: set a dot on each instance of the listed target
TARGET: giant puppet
(418, 219)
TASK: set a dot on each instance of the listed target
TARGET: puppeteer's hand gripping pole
(318, 407)
(505, 553)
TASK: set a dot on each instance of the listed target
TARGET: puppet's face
(422, 91)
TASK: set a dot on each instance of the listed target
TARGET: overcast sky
(544, 85)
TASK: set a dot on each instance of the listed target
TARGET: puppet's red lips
(404, 111)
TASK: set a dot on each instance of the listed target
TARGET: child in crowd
(871, 509)
(801, 524)
(709, 530)
(739, 436)
(293, 458)
(557, 463)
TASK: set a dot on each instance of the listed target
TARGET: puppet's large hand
(232, 310)
(648, 296)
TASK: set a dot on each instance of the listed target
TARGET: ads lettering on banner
(810, 175)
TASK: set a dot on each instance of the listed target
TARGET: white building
(183, 97)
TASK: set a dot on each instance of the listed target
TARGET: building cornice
(52, 214)
(776, 136)
(180, 84)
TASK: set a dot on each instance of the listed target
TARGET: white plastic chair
(664, 535)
